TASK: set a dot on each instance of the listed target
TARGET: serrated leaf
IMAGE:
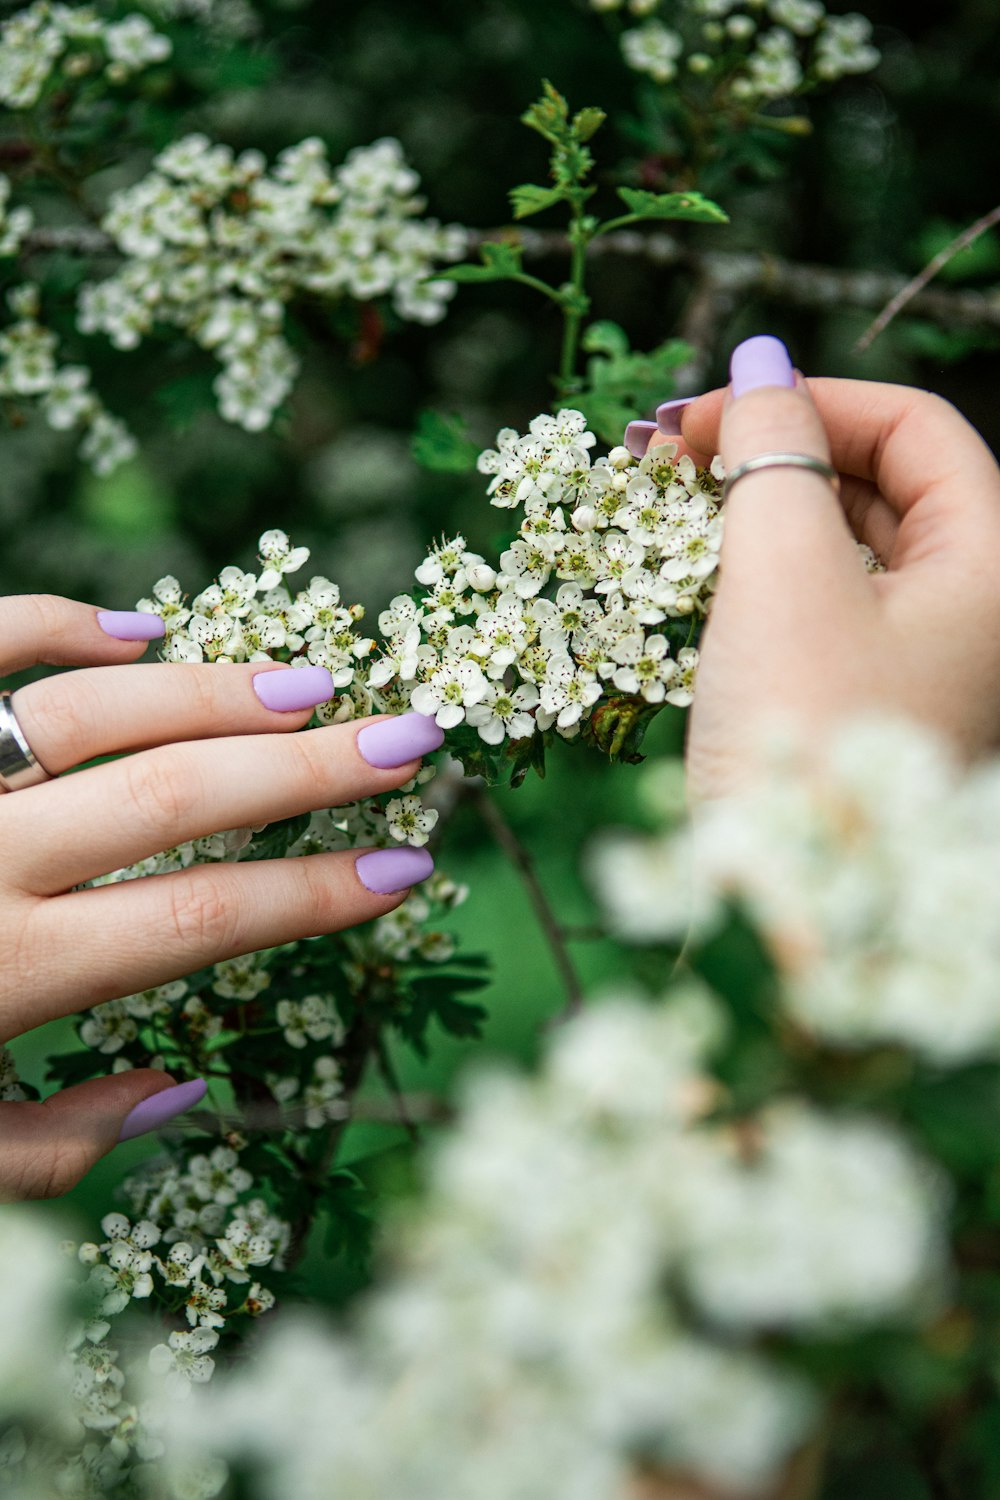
(549, 115)
(693, 206)
(530, 199)
(442, 444)
(500, 262)
(586, 122)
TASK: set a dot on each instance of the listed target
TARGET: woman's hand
(799, 630)
(210, 755)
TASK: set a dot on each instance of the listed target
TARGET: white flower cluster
(528, 1343)
(217, 245)
(871, 874)
(75, 39)
(227, 18)
(29, 370)
(625, 546)
(15, 223)
(781, 45)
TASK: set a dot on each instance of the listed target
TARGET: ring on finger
(19, 766)
(781, 461)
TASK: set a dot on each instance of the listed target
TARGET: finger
(79, 715)
(114, 940)
(910, 444)
(48, 1147)
(870, 518)
(37, 628)
(786, 537)
(64, 832)
(641, 437)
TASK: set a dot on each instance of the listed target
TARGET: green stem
(539, 286)
(572, 317)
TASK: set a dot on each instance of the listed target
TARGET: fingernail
(668, 416)
(760, 361)
(392, 742)
(637, 436)
(384, 871)
(155, 1111)
(293, 688)
(131, 625)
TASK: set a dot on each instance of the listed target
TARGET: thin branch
(795, 284)
(909, 291)
(736, 273)
(555, 934)
(391, 1080)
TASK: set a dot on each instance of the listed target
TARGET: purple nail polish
(150, 1114)
(668, 416)
(760, 361)
(294, 688)
(392, 742)
(637, 436)
(385, 871)
(131, 625)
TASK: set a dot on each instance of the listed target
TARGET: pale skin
(798, 630)
(207, 755)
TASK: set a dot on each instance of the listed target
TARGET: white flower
(184, 1359)
(504, 712)
(310, 1019)
(410, 821)
(455, 686)
(653, 49)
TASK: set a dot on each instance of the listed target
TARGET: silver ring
(19, 767)
(781, 461)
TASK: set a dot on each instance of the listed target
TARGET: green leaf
(693, 206)
(276, 839)
(442, 444)
(586, 122)
(605, 337)
(501, 261)
(549, 115)
(530, 199)
(620, 383)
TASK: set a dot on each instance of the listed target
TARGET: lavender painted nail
(637, 436)
(385, 871)
(131, 625)
(392, 742)
(294, 688)
(760, 361)
(155, 1111)
(668, 415)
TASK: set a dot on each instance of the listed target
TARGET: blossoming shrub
(705, 1232)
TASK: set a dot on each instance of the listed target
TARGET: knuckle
(48, 612)
(161, 792)
(45, 1162)
(311, 763)
(317, 901)
(202, 917)
(65, 709)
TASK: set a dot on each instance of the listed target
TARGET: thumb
(47, 1147)
(786, 535)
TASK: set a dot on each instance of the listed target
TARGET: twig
(554, 933)
(909, 291)
(708, 306)
(735, 273)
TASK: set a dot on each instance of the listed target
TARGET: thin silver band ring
(781, 461)
(19, 766)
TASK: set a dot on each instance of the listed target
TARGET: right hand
(219, 760)
(798, 630)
